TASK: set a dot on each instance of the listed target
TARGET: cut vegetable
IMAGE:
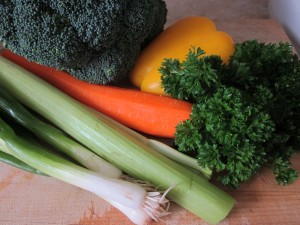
(115, 145)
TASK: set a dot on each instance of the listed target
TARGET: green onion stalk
(13, 161)
(133, 200)
(115, 145)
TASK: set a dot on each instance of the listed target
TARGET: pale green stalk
(162, 148)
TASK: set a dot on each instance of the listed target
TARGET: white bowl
(287, 13)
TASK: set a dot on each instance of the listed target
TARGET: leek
(53, 136)
(115, 145)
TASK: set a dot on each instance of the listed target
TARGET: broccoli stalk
(96, 41)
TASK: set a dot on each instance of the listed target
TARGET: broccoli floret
(96, 41)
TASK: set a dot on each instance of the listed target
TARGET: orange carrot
(148, 113)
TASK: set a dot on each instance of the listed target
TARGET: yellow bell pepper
(175, 42)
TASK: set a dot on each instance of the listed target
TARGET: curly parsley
(246, 114)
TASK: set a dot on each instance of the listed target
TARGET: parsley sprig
(245, 113)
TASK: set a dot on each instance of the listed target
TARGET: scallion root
(156, 204)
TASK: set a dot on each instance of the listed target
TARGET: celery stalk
(115, 145)
(166, 150)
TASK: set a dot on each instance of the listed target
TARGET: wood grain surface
(27, 199)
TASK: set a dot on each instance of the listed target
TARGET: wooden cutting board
(27, 199)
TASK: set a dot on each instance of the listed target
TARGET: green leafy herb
(245, 113)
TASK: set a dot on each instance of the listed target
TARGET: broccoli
(94, 40)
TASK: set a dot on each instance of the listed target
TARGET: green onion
(115, 145)
(133, 200)
(13, 161)
(53, 136)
